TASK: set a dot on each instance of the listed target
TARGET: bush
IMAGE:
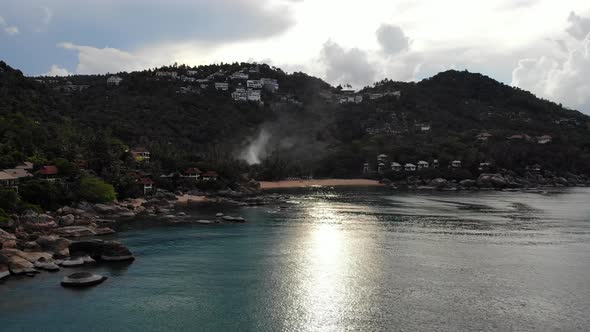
(8, 199)
(48, 195)
(3, 217)
(94, 190)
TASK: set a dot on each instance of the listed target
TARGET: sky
(539, 45)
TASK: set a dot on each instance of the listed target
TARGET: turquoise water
(350, 259)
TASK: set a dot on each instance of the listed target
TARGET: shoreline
(266, 185)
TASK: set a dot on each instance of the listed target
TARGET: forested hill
(301, 126)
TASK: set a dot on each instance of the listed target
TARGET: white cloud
(579, 26)
(10, 30)
(56, 70)
(392, 39)
(565, 80)
(347, 66)
(92, 60)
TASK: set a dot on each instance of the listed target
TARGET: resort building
(423, 164)
(254, 84)
(270, 84)
(396, 167)
(221, 86)
(48, 173)
(193, 173)
(456, 164)
(240, 95)
(410, 168)
(254, 95)
(210, 176)
(114, 80)
(140, 154)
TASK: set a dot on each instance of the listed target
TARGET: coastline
(266, 185)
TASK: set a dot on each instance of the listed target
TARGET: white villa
(456, 164)
(171, 74)
(254, 95)
(254, 84)
(396, 167)
(239, 76)
(410, 168)
(423, 164)
(114, 80)
(270, 84)
(221, 86)
(240, 95)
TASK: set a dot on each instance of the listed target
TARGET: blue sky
(538, 45)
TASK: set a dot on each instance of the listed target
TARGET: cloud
(392, 39)
(92, 60)
(10, 30)
(565, 80)
(56, 70)
(346, 66)
(579, 26)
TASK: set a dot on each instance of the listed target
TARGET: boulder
(75, 231)
(205, 222)
(72, 262)
(439, 183)
(181, 214)
(116, 252)
(46, 265)
(104, 231)
(468, 183)
(7, 240)
(219, 215)
(31, 246)
(4, 271)
(87, 259)
(16, 264)
(66, 210)
(67, 220)
(233, 219)
(54, 244)
(82, 279)
(92, 248)
(492, 181)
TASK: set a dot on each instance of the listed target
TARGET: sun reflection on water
(323, 283)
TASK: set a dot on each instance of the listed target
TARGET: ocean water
(348, 259)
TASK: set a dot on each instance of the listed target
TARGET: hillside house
(192, 72)
(114, 80)
(240, 95)
(484, 136)
(425, 128)
(484, 167)
(192, 173)
(374, 96)
(534, 168)
(254, 95)
(188, 90)
(146, 184)
(358, 99)
(519, 137)
(435, 163)
(545, 139)
(140, 154)
(366, 168)
(380, 168)
(48, 173)
(221, 86)
(26, 165)
(254, 84)
(382, 158)
(409, 167)
(456, 164)
(210, 176)
(239, 76)
(18, 173)
(270, 84)
(169, 74)
(396, 167)
(8, 181)
(423, 164)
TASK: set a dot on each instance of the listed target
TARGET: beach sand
(318, 183)
(184, 199)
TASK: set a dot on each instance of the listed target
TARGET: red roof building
(48, 170)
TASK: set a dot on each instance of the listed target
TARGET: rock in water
(219, 215)
(92, 248)
(205, 222)
(82, 279)
(54, 244)
(72, 262)
(46, 265)
(116, 252)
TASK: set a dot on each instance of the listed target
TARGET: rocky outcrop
(54, 244)
(4, 271)
(7, 240)
(492, 181)
(116, 252)
(439, 183)
(75, 231)
(233, 219)
(73, 262)
(103, 250)
(82, 279)
(468, 184)
(15, 262)
(47, 265)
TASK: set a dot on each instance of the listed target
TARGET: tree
(8, 199)
(94, 190)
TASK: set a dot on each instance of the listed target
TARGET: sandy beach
(184, 199)
(318, 183)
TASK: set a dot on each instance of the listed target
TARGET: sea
(336, 259)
